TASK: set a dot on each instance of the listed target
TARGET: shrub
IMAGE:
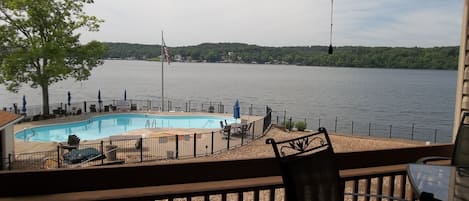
(301, 125)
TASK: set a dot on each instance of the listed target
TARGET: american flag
(166, 53)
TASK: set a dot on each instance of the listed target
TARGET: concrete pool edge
(91, 116)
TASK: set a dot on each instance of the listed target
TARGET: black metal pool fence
(129, 149)
(140, 105)
(279, 117)
(350, 127)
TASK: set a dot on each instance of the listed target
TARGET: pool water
(108, 125)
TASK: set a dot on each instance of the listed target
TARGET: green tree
(39, 43)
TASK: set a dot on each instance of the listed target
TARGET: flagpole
(162, 72)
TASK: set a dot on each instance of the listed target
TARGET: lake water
(383, 97)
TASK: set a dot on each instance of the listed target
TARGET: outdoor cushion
(81, 155)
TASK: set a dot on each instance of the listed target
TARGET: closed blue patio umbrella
(99, 99)
(236, 113)
(125, 95)
(69, 100)
(23, 109)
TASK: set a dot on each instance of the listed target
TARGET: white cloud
(398, 26)
(279, 23)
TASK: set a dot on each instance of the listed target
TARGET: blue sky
(408, 23)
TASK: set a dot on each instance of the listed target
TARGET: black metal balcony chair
(460, 155)
(309, 169)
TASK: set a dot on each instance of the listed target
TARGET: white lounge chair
(123, 106)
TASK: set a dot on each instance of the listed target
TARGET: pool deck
(154, 150)
(26, 147)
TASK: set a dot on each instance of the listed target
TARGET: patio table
(439, 182)
(235, 128)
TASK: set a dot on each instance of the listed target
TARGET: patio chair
(227, 130)
(211, 109)
(309, 168)
(83, 155)
(93, 108)
(460, 155)
(245, 129)
(72, 143)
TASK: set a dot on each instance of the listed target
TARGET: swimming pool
(108, 125)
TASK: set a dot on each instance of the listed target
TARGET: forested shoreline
(347, 56)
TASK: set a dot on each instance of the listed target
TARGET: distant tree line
(347, 56)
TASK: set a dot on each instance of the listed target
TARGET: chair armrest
(424, 160)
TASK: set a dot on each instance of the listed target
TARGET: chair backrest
(244, 127)
(73, 140)
(461, 144)
(309, 168)
(221, 124)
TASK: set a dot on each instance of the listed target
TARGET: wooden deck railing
(375, 172)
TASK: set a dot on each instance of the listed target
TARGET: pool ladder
(28, 137)
(152, 125)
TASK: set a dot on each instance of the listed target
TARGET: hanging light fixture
(330, 36)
